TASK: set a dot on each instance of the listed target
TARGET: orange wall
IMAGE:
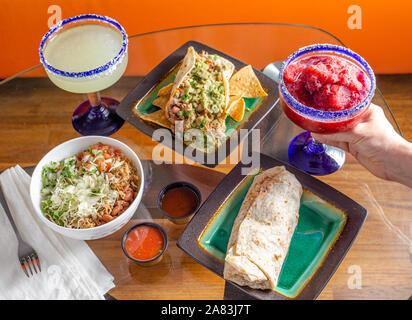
(384, 40)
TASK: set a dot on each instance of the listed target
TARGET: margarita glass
(305, 152)
(87, 54)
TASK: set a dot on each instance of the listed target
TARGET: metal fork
(28, 257)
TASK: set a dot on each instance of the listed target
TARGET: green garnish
(185, 97)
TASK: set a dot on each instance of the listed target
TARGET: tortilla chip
(236, 108)
(161, 102)
(166, 90)
(158, 117)
(245, 83)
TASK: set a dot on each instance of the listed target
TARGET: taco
(200, 93)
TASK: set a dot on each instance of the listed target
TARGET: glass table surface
(36, 116)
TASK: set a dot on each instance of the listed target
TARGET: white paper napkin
(70, 269)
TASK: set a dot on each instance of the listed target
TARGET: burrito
(200, 93)
(263, 229)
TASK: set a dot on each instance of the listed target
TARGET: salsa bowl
(149, 242)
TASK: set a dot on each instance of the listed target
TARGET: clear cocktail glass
(87, 54)
(304, 151)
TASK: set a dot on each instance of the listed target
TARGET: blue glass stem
(94, 99)
(314, 146)
(97, 116)
(314, 157)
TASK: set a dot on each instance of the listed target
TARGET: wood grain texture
(36, 116)
(177, 276)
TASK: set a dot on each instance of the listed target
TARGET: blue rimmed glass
(96, 116)
(305, 152)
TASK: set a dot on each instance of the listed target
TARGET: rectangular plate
(328, 223)
(141, 98)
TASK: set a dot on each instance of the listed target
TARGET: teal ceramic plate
(328, 223)
(139, 101)
(145, 106)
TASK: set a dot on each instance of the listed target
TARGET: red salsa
(326, 82)
(144, 242)
(179, 202)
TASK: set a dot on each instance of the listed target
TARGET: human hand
(376, 145)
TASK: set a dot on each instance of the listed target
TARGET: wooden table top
(36, 116)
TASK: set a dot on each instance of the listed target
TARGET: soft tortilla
(229, 68)
(263, 230)
(244, 82)
(187, 65)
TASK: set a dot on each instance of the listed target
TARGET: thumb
(319, 137)
(326, 138)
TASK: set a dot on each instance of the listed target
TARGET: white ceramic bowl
(70, 148)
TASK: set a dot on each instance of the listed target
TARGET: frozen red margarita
(325, 82)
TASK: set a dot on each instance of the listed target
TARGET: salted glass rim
(120, 55)
(320, 114)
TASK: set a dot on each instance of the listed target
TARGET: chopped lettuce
(70, 193)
